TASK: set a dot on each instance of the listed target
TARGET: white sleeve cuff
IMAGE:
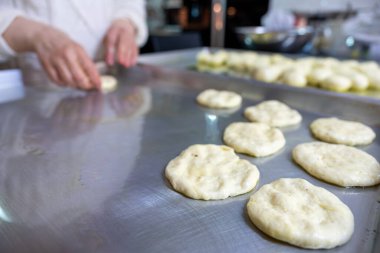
(6, 18)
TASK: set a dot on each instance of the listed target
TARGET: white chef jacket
(85, 21)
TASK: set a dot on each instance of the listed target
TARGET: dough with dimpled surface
(339, 131)
(219, 99)
(273, 113)
(256, 139)
(338, 164)
(211, 172)
(295, 211)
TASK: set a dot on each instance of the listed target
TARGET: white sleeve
(135, 11)
(7, 15)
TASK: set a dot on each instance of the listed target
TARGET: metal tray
(85, 172)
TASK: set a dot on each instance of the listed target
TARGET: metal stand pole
(218, 19)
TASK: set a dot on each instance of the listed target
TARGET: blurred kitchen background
(342, 28)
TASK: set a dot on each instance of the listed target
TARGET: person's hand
(65, 61)
(119, 43)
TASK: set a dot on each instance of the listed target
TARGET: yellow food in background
(326, 73)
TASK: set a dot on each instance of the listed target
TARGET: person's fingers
(110, 45)
(64, 74)
(78, 74)
(131, 55)
(90, 69)
(53, 75)
(122, 48)
(135, 53)
(128, 50)
(50, 70)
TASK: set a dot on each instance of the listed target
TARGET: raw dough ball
(203, 57)
(256, 139)
(339, 131)
(316, 76)
(294, 77)
(253, 62)
(303, 65)
(218, 59)
(328, 62)
(338, 164)
(350, 63)
(108, 83)
(368, 66)
(212, 62)
(235, 62)
(294, 211)
(268, 73)
(358, 80)
(336, 82)
(211, 172)
(273, 113)
(219, 99)
(373, 77)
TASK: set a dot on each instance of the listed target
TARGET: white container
(11, 85)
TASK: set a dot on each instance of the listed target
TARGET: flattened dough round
(256, 139)
(339, 131)
(219, 99)
(211, 172)
(273, 113)
(338, 164)
(108, 83)
(295, 211)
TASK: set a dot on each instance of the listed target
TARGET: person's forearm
(64, 60)
(21, 33)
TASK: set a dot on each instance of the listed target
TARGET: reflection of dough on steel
(4, 216)
(221, 112)
(127, 104)
(212, 130)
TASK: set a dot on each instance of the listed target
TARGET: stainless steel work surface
(85, 172)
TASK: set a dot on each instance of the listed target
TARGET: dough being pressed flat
(295, 211)
(219, 99)
(211, 172)
(339, 131)
(338, 164)
(108, 83)
(273, 113)
(256, 139)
